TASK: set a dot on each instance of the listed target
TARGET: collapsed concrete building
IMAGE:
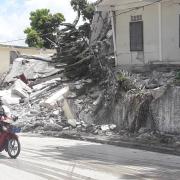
(80, 89)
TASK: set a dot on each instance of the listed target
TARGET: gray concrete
(44, 158)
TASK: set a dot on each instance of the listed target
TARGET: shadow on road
(120, 161)
(3, 157)
(106, 157)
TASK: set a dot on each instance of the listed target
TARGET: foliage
(177, 78)
(88, 13)
(124, 83)
(43, 26)
(121, 77)
(33, 39)
(85, 29)
(178, 75)
(86, 9)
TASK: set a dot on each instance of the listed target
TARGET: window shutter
(136, 36)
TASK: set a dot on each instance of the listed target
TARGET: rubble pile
(31, 68)
(72, 93)
(87, 69)
(79, 90)
(73, 51)
(42, 99)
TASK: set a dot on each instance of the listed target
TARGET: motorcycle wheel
(13, 148)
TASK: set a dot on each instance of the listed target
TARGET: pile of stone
(60, 96)
(44, 104)
(53, 122)
(107, 129)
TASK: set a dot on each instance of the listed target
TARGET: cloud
(14, 16)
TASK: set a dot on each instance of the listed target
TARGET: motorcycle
(9, 140)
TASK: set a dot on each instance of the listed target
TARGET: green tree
(43, 26)
(86, 9)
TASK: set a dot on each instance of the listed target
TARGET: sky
(14, 16)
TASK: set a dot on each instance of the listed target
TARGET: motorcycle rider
(5, 115)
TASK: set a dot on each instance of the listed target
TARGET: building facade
(144, 31)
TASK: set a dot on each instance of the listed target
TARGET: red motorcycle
(9, 140)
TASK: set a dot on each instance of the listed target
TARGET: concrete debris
(21, 89)
(158, 92)
(9, 98)
(71, 95)
(46, 58)
(31, 68)
(66, 128)
(55, 98)
(108, 127)
(56, 113)
(18, 91)
(105, 127)
(45, 84)
(72, 122)
(36, 94)
(98, 100)
(79, 86)
(112, 126)
(63, 102)
(52, 127)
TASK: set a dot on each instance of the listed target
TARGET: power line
(134, 8)
(12, 40)
(20, 39)
(121, 4)
(24, 38)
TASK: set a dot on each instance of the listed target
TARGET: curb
(136, 145)
(120, 143)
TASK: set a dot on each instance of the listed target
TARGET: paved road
(44, 158)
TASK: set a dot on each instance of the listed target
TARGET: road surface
(45, 158)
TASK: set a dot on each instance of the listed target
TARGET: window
(136, 36)
(136, 18)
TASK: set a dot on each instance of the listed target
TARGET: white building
(144, 30)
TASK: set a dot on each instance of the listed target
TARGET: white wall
(151, 36)
(4, 59)
(5, 55)
(170, 31)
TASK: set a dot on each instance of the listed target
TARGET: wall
(4, 59)
(164, 117)
(170, 31)
(167, 110)
(5, 54)
(151, 36)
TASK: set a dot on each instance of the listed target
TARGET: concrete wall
(167, 111)
(5, 54)
(4, 59)
(170, 31)
(168, 35)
